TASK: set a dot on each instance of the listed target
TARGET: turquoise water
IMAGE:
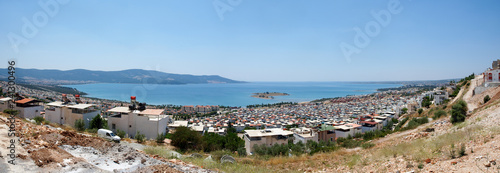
(226, 94)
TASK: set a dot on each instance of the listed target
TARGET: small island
(268, 95)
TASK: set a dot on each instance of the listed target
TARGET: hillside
(418, 150)
(124, 76)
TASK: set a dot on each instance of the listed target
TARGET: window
(130, 126)
(107, 134)
(113, 126)
(490, 77)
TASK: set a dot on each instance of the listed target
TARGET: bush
(11, 111)
(91, 130)
(486, 98)
(242, 152)
(120, 133)
(184, 138)
(367, 145)
(420, 166)
(160, 138)
(461, 152)
(404, 110)
(420, 111)
(350, 143)
(439, 114)
(426, 102)
(39, 120)
(140, 137)
(80, 125)
(97, 122)
(458, 112)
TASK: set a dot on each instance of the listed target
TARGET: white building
(268, 137)
(28, 108)
(304, 134)
(344, 131)
(149, 122)
(67, 113)
(4, 103)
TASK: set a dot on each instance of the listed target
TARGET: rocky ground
(42, 148)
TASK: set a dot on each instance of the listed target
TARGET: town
(324, 120)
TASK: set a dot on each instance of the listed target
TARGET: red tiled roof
(24, 101)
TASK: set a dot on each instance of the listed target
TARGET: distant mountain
(79, 76)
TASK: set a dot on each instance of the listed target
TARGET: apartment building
(136, 118)
(267, 137)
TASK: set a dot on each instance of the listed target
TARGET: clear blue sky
(257, 40)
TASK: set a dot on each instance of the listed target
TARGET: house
(136, 118)
(369, 125)
(304, 134)
(344, 131)
(28, 108)
(175, 124)
(4, 103)
(268, 137)
(326, 133)
(68, 112)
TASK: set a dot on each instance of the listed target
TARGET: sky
(257, 40)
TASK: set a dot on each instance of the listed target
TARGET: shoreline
(268, 100)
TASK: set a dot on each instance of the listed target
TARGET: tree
(486, 98)
(80, 125)
(458, 112)
(97, 122)
(233, 142)
(426, 102)
(184, 138)
(420, 111)
(404, 110)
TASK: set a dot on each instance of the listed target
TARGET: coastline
(226, 94)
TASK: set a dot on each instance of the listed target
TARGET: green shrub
(461, 152)
(486, 98)
(184, 138)
(11, 111)
(439, 114)
(367, 145)
(420, 166)
(420, 111)
(80, 125)
(458, 112)
(39, 120)
(120, 133)
(160, 138)
(91, 130)
(404, 110)
(140, 137)
(242, 152)
(97, 122)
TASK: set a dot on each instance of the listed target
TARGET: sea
(227, 94)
